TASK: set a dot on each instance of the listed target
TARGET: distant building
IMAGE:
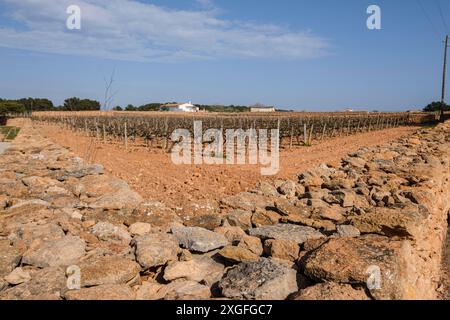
(261, 108)
(180, 107)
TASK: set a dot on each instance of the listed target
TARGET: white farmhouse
(261, 108)
(180, 107)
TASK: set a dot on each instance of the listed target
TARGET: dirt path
(154, 176)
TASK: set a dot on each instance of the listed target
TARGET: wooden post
(310, 134)
(126, 138)
(305, 134)
(323, 130)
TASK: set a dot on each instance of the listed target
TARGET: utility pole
(444, 74)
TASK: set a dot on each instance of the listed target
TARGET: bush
(8, 106)
(436, 106)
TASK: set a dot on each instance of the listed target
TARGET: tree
(11, 106)
(130, 107)
(436, 106)
(37, 104)
(75, 104)
(117, 108)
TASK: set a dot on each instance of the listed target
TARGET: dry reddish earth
(152, 173)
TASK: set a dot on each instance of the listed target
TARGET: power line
(429, 20)
(442, 15)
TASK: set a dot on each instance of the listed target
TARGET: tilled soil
(152, 173)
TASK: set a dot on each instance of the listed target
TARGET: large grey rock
(60, 252)
(259, 280)
(156, 249)
(296, 233)
(199, 239)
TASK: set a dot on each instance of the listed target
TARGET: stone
(263, 279)
(46, 284)
(247, 201)
(331, 291)
(266, 189)
(288, 188)
(237, 254)
(156, 249)
(345, 197)
(156, 214)
(61, 252)
(347, 231)
(351, 261)
(282, 249)
(208, 221)
(124, 199)
(298, 234)
(18, 276)
(108, 232)
(253, 244)
(233, 234)
(150, 291)
(31, 231)
(239, 218)
(286, 208)
(199, 239)
(9, 257)
(263, 218)
(103, 292)
(4, 200)
(199, 268)
(107, 270)
(140, 228)
(355, 162)
(404, 222)
(186, 290)
(333, 213)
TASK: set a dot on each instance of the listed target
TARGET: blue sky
(315, 55)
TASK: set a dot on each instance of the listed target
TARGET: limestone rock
(331, 291)
(298, 234)
(61, 252)
(239, 218)
(103, 292)
(208, 221)
(199, 239)
(263, 279)
(46, 284)
(282, 249)
(348, 231)
(237, 254)
(9, 257)
(351, 261)
(156, 249)
(199, 268)
(253, 244)
(140, 228)
(108, 232)
(107, 270)
(264, 218)
(18, 276)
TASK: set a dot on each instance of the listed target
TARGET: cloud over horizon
(135, 31)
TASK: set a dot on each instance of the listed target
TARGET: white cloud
(136, 31)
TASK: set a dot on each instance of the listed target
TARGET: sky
(314, 55)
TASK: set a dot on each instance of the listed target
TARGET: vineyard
(296, 129)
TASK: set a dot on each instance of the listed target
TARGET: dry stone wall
(372, 228)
